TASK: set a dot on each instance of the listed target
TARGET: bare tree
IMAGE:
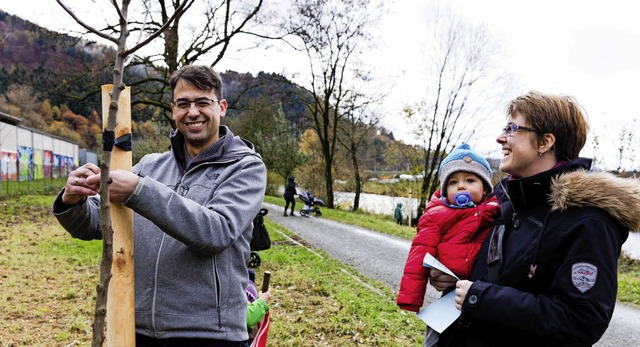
(595, 143)
(622, 147)
(206, 36)
(331, 34)
(462, 79)
(632, 146)
(626, 147)
(120, 40)
(358, 125)
(217, 24)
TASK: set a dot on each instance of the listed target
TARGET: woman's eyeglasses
(511, 128)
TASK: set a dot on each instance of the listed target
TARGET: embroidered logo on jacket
(583, 276)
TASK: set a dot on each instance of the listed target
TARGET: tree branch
(85, 25)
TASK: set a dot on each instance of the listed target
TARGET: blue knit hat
(463, 158)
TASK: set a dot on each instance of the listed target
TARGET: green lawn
(48, 279)
(47, 289)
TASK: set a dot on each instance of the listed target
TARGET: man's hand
(85, 181)
(441, 280)
(122, 184)
(78, 187)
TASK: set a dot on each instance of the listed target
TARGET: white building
(28, 154)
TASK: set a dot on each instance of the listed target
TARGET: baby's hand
(441, 280)
(266, 296)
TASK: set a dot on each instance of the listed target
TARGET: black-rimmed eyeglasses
(511, 128)
(200, 103)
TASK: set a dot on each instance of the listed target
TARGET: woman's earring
(540, 154)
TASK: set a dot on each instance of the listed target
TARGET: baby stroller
(311, 204)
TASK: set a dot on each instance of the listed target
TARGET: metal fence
(28, 187)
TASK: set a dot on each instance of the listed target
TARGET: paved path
(382, 257)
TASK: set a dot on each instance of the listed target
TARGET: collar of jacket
(620, 197)
(571, 185)
(228, 147)
(534, 190)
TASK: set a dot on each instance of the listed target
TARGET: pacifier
(463, 199)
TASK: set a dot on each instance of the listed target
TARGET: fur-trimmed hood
(618, 196)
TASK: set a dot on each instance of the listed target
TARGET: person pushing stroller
(289, 196)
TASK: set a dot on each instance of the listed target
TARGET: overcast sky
(587, 49)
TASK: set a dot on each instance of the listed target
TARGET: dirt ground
(44, 296)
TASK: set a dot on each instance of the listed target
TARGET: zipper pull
(532, 270)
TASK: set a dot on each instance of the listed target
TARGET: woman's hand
(462, 288)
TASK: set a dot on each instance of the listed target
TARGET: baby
(455, 222)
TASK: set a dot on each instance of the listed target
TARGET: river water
(380, 204)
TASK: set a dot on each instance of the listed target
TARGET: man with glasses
(192, 224)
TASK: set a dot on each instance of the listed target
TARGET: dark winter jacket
(451, 235)
(192, 226)
(547, 273)
(290, 190)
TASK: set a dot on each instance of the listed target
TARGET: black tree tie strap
(124, 142)
(108, 138)
(108, 141)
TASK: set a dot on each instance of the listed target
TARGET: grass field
(48, 279)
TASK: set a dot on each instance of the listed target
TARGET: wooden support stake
(120, 300)
(265, 281)
(410, 207)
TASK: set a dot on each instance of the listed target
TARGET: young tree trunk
(357, 178)
(105, 206)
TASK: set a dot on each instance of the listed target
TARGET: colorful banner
(69, 165)
(57, 160)
(47, 164)
(9, 165)
(38, 172)
(25, 160)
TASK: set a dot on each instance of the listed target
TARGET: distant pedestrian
(398, 214)
(289, 196)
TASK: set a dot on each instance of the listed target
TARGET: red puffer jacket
(453, 236)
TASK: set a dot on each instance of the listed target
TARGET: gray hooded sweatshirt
(192, 227)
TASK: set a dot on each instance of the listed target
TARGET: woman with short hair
(547, 273)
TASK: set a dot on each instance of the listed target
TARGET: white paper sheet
(431, 262)
(441, 313)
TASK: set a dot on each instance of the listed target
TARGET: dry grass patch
(48, 279)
